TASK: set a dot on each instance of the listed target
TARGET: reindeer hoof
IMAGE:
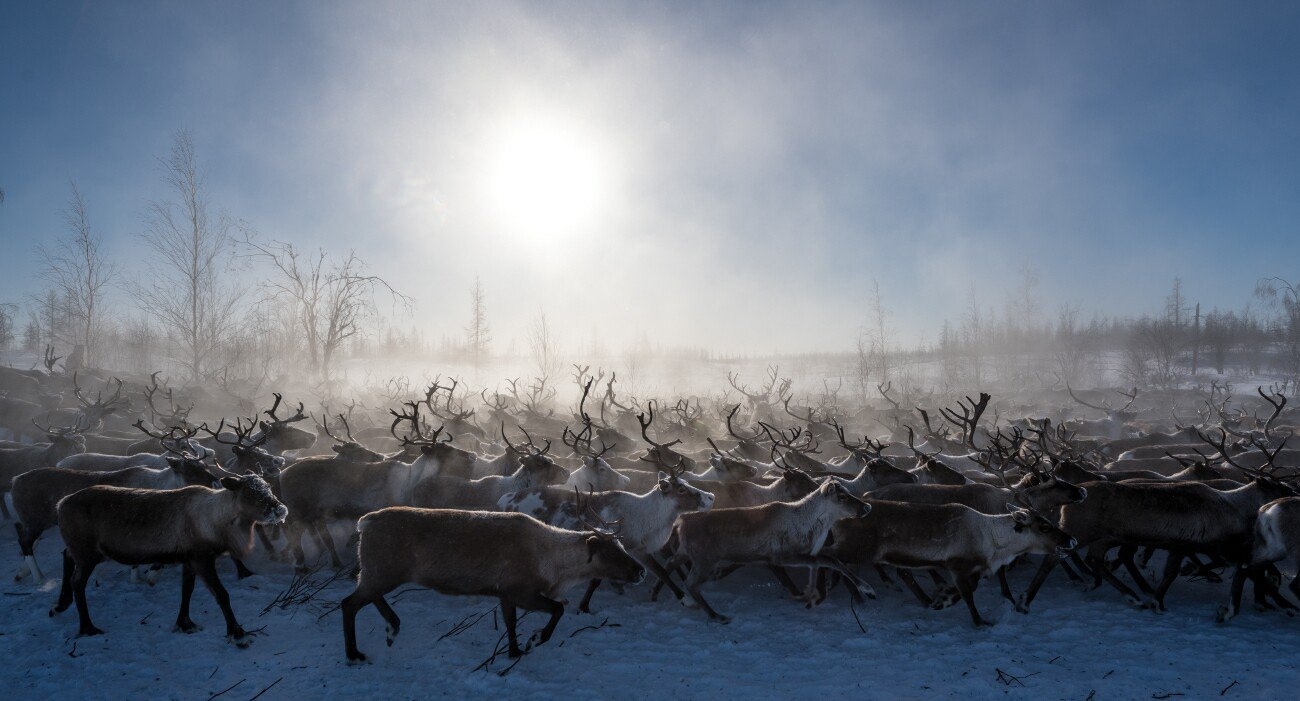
(391, 632)
(720, 619)
(89, 631)
(187, 627)
(356, 658)
(240, 639)
(1223, 615)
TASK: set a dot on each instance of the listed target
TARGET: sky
(734, 176)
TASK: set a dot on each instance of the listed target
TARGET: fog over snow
(733, 176)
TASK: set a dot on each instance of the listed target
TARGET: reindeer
(457, 420)
(929, 470)
(175, 438)
(1277, 536)
(319, 489)
(63, 441)
(645, 521)
(595, 472)
(760, 402)
(780, 534)
(953, 537)
(36, 494)
(1037, 491)
(1116, 419)
(1181, 517)
(192, 525)
(875, 471)
(535, 470)
(281, 435)
(747, 447)
(522, 561)
(348, 448)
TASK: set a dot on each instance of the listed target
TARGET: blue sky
(761, 163)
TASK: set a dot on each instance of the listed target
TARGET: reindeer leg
(80, 576)
(353, 603)
(1097, 562)
(65, 590)
(910, 582)
(884, 577)
(1068, 570)
(394, 624)
(540, 602)
(26, 544)
(664, 578)
(1227, 613)
(206, 569)
(585, 606)
(1266, 579)
(511, 618)
(1126, 553)
(1005, 586)
(295, 532)
(783, 578)
(323, 531)
(1173, 566)
(966, 583)
(265, 539)
(692, 586)
(1044, 569)
(241, 570)
(183, 622)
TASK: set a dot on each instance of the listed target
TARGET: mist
(759, 167)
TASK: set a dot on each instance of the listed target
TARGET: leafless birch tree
(79, 274)
(187, 287)
(329, 299)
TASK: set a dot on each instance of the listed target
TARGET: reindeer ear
(591, 548)
(231, 483)
(263, 425)
(664, 484)
(1022, 516)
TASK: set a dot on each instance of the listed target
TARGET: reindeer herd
(508, 495)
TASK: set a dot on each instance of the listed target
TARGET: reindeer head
(284, 435)
(1048, 537)
(257, 504)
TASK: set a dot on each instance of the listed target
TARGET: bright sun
(544, 179)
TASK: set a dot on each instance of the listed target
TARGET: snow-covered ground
(1075, 643)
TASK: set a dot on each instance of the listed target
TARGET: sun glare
(544, 179)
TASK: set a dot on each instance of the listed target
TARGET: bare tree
(1073, 349)
(1284, 296)
(32, 335)
(329, 299)
(478, 334)
(973, 333)
(879, 332)
(543, 347)
(1176, 307)
(47, 310)
(7, 312)
(187, 288)
(79, 273)
(1152, 351)
(862, 364)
